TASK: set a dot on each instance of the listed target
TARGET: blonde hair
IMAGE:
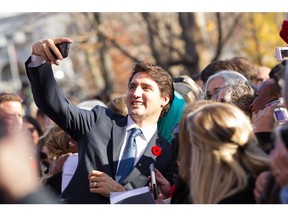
(119, 105)
(223, 152)
(184, 145)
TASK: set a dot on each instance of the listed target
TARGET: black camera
(63, 48)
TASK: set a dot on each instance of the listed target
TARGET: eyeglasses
(213, 96)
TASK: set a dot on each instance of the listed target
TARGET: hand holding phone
(153, 181)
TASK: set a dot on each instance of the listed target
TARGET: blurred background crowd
(224, 70)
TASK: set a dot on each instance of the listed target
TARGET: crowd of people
(213, 140)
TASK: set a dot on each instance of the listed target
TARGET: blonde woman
(219, 154)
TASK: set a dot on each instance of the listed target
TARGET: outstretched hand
(45, 47)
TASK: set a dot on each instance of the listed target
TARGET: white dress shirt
(68, 170)
(141, 140)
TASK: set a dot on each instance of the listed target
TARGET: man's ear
(165, 101)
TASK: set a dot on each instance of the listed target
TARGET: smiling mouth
(135, 103)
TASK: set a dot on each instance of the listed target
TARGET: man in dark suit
(101, 134)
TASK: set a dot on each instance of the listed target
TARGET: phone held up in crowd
(281, 53)
(63, 48)
(280, 113)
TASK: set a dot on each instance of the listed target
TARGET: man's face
(14, 110)
(144, 100)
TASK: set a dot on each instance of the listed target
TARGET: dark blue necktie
(128, 157)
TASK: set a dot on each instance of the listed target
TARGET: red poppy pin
(156, 150)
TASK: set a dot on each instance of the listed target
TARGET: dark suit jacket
(99, 134)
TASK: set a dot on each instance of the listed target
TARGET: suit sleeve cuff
(36, 61)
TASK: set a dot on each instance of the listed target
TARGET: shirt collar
(148, 131)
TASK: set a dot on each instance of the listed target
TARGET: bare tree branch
(221, 42)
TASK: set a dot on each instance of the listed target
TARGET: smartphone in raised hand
(63, 48)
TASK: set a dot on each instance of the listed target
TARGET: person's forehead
(143, 77)
(11, 107)
(263, 72)
(11, 104)
(219, 81)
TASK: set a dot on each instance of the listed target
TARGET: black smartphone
(153, 181)
(63, 48)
